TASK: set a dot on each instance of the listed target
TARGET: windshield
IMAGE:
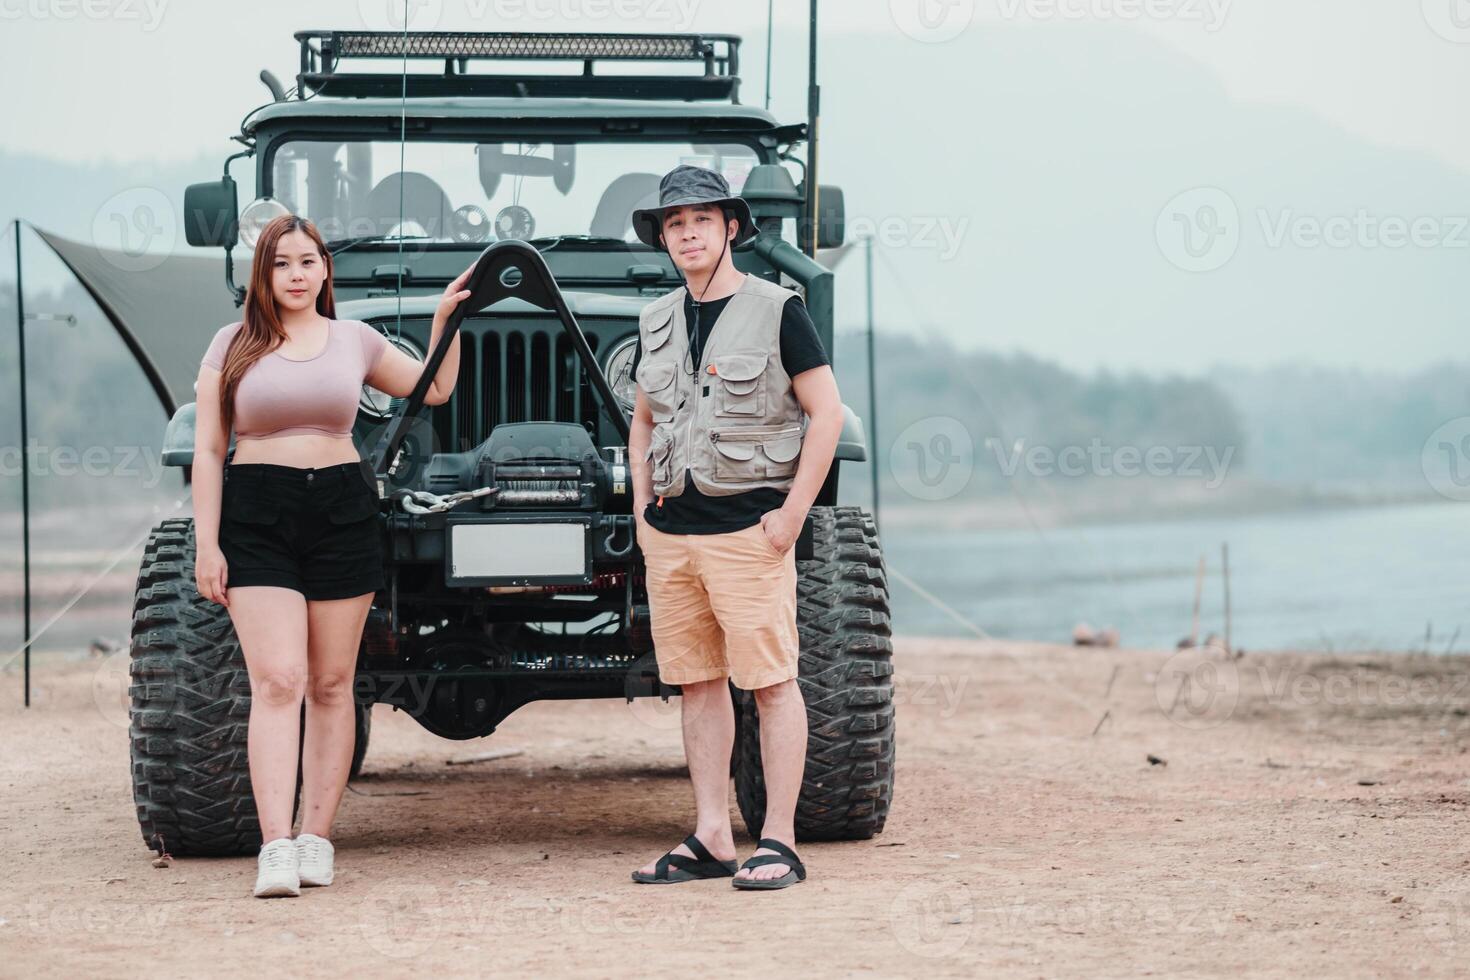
(470, 193)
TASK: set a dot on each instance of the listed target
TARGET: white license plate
(518, 551)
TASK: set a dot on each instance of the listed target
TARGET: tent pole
(770, 31)
(872, 384)
(25, 468)
(814, 114)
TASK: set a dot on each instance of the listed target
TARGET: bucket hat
(686, 185)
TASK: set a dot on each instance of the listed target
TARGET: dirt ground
(1308, 816)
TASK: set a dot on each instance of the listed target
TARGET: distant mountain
(1059, 146)
(1000, 421)
(1332, 429)
(1078, 444)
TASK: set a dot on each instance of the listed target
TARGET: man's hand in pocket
(781, 527)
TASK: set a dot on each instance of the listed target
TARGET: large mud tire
(846, 679)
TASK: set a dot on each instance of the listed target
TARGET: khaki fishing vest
(735, 425)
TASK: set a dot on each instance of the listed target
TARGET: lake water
(1349, 579)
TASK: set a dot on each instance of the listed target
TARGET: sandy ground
(1308, 817)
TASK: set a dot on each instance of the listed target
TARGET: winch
(532, 465)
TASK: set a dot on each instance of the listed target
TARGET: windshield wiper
(344, 244)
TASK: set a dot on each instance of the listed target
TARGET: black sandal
(673, 868)
(783, 855)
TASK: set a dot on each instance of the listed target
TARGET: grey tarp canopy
(166, 315)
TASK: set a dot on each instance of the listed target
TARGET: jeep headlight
(379, 405)
(617, 365)
(257, 214)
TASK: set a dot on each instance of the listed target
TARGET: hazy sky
(1381, 81)
(1376, 67)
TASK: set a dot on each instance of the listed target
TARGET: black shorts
(312, 529)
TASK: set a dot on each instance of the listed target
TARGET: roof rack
(323, 51)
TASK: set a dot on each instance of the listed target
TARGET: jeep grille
(523, 374)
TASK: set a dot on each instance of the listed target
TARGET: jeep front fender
(852, 444)
(178, 438)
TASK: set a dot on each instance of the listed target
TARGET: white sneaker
(277, 869)
(314, 859)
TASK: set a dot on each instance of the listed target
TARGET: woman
(287, 536)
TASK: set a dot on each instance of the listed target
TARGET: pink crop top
(282, 396)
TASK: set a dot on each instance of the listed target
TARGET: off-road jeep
(534, 589)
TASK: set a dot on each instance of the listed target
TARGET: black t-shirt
(692, 512)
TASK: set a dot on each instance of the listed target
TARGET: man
(724, 472)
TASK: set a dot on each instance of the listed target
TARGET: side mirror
(212, 213)
(831, 217)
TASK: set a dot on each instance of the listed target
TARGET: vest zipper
(698, 380)
(754, 433)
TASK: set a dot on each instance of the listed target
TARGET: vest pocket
(735, 461)
(782, 453)
(660, 332)
(660, 453)
(740, 389)
(659, 390)
(755, 452)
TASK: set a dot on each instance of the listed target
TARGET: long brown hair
(260, 328)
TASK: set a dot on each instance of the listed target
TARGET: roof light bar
(323, 51)
(466, 44)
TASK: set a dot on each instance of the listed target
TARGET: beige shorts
(721, 605)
